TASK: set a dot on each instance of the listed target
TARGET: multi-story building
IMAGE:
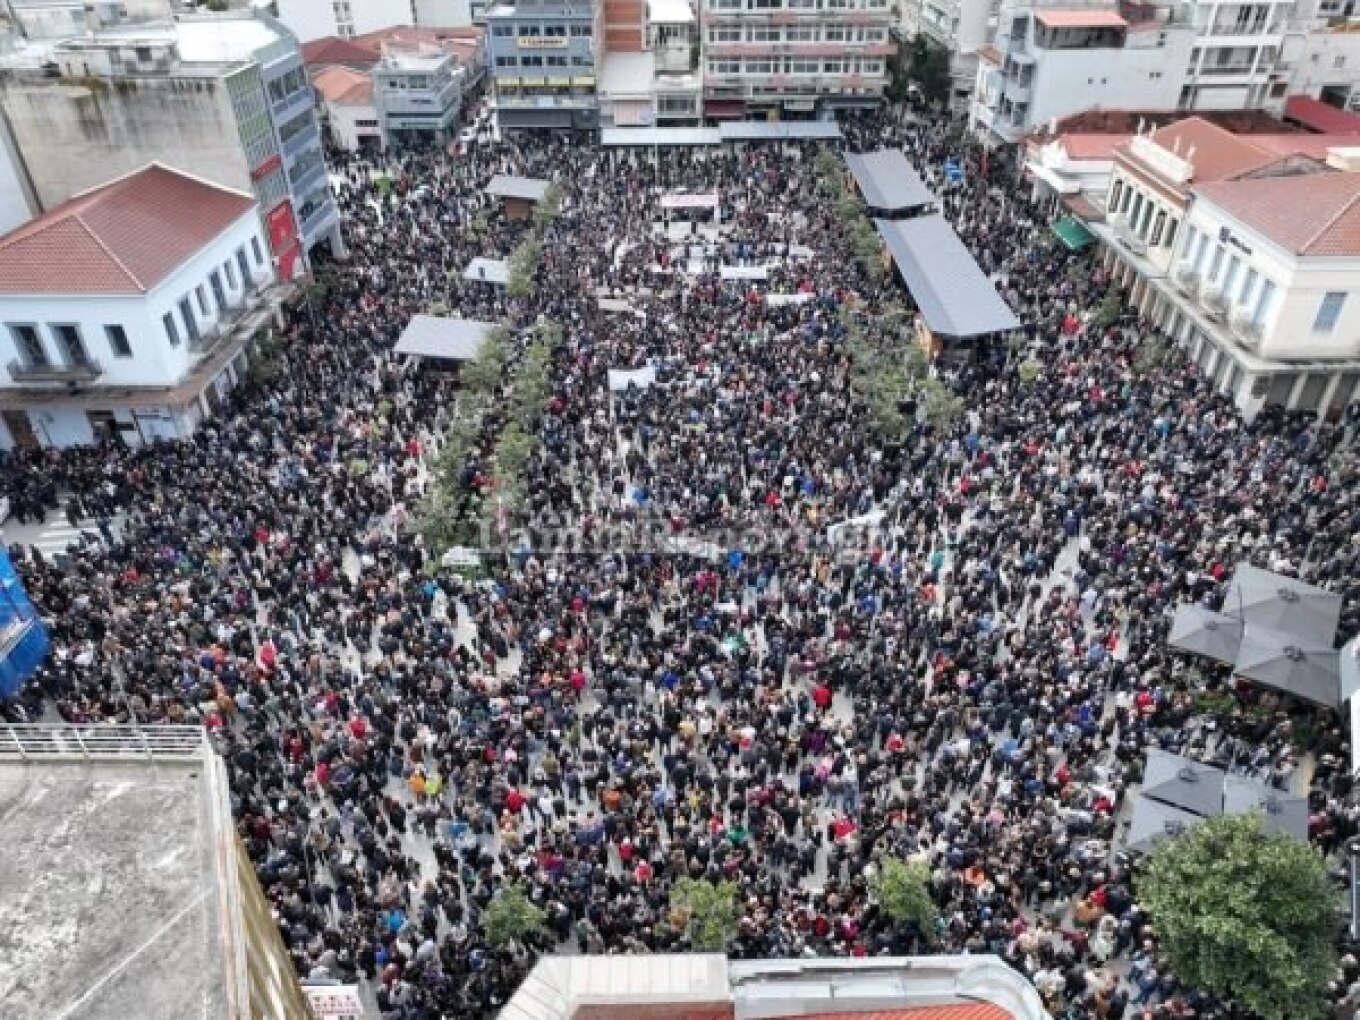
(1248, 254)
(962, 27)
(1047, 62)
(659, 83)
(1321, 53)
(126, 311)
(316, 19)
(143, 815)
(1234, 64)
(346, 98)
(542, 55)
(223, 97)
(793, 57)
(417, 92)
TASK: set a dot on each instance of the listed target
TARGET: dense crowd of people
(674, 672)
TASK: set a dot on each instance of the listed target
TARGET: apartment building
(1246, 250)
(793, 58)
(658, 84)
(126, 310)
(963, 28)
(417, 93)
(221, 96)
(1321, 53)
(543, 56)
(1235, 64)
(317, 19)
(1047, 62)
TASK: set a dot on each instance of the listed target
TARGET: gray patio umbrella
(1204, 632)
(1281, 812)
(1279, 659)
(1283, 603)
(1154, 821)
(1183, 783)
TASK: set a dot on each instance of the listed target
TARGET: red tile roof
(344, 86)
(1080, 19)
(1315, 114)
(953, 1011)
(1084, 146)
(123, 237)
(1218, 154)
(1303, 144)
(332, 49)
(1311, 214)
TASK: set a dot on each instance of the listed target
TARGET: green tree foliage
(1152, 354)
(886, 369)
(486, 372)
(1111, 305)
(510, 917)
(929, 68)
(941, 406)
(902, 890)
(523, 262)
(1245, 915)
(1029, 370)
(707, 912)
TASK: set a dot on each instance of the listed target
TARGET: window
(29, 345)
(802, 5)
(118, 341)
(1248, 285)
(507, 61)
(1338, 63)
(1329, 311)
(833, 67)
(1230, 277)
(231, 274)
(243, 264)
(502, 31)
(835, 33)
(1170, 239)
(529, 31)
(190, 322)
(1191, 236)
(797, 66)
(1216, 263)
(724, 67)
(580, 31)
(800, 35)
(766, 35)
(215, 281)
(759, 67)
(1264, 302)
(70, 344)
(171, 328)
(871, 66)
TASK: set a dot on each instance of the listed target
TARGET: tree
(707, 911)
(511, 917)
(902, 890)
(1029, 370)
(930, 69)
(1152, 355)
(1111, 305)
(1244, 914)
(484, 373)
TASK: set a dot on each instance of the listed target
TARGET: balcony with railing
(242, 316)
(82, 371)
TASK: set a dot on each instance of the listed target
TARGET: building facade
(543, 60)
(317, 19)
(417, 93)
(149, 335)
(1322, 52)
(1047, 63)
(1247, 255)
(961, 27)
(795, 58)
(226, 98)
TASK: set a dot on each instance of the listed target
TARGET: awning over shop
(724, 108)
(1073, 233)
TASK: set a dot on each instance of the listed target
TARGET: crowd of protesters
(674, 673)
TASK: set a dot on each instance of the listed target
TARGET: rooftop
(507, 186)
(1321, 117)
(670, 12)
(1216, 153)
(1317, 214)
(222, 39)
(1080, 19)
(93, 898)
(334, 50)
(123, 237)
(887, 181)
(344, 86)
(434, 336)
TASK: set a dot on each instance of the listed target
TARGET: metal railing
(24, 742)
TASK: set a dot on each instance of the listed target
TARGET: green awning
(1073, 233)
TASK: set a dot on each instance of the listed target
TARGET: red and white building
(793, 58)
(126, 311)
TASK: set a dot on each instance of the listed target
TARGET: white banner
(621, 378)
(837, 533)
(778, 300)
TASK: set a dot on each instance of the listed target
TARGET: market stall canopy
(530, 189)
(887, 181)
(1073, 233)
(433, 336)
(955, 297)
(774, 130)
(1183, 783)
(1197, 629)
(1280, 659)
(1283, 813)
(485, 270)
(1154, 821)
(1304, 611)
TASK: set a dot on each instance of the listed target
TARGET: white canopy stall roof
(679, 200)
(433, 336)
(486, 270)
(658, 136)
(529, 188)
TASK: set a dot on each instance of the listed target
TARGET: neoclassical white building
(125, 312)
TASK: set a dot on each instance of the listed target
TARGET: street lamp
(1353, 856)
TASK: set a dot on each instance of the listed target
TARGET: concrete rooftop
(108, 895)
